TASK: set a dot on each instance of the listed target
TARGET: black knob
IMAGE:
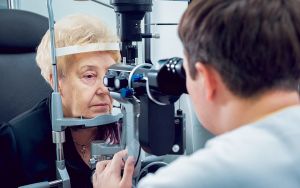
(121, 82)
(109, 79)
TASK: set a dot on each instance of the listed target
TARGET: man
(243, 68)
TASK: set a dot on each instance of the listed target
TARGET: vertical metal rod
(52, 44)
(59, 152)
(147, 28)
(13, 4)
(59, 138)
(9, 4)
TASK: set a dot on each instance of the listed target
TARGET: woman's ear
(51, 81)
(59, 84)
(207, 78)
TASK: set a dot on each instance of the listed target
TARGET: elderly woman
(86, 48)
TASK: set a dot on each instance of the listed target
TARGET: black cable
(104, 4)
(299, 89)
(162, 24)
(137, 160)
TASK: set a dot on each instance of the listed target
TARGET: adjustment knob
(109, 79)
(126, 92)
(121, 82)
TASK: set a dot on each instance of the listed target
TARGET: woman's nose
(101, 89)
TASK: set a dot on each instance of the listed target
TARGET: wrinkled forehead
(93, 59)
(97, 55)
(96, 61)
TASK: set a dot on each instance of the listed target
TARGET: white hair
(73, 30)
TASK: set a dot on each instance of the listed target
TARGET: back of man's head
(253, 44)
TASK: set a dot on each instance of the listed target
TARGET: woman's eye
(89, 78)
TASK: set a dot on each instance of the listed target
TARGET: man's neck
(241, 112)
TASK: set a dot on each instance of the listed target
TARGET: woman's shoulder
(34, 124)
(37, 114)
(6, 133)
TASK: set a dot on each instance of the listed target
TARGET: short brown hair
(253, 44)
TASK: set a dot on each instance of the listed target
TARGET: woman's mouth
(100, 108)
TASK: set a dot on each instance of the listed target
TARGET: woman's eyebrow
(87, 67)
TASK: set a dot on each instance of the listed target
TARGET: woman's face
(82, 90)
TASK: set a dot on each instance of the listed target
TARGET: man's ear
(207, 77)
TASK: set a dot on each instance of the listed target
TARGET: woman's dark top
(27, 154)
